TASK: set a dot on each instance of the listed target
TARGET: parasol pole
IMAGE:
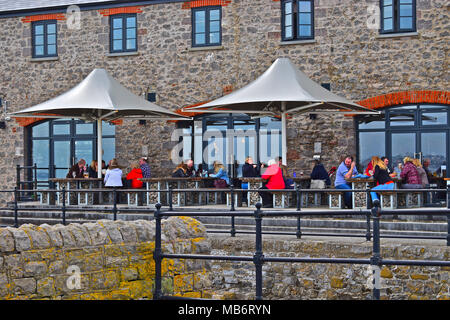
(283, 133)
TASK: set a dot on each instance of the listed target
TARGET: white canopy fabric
(282, 89)
(282, 82)
(99, 97)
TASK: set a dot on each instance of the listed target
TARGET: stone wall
(114, 260)
(308, 281)
(345, 53)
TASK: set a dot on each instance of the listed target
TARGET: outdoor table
(73, 197)
(178, 198)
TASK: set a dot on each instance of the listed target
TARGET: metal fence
(258, 258)
(372, 215)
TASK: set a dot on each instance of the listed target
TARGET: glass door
(403, 145)
(433, 146)
(84, 149)
(61, 157)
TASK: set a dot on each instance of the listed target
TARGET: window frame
(45, 44)
(207, 26)
(296, 21)
(123, 17)
(396, 18)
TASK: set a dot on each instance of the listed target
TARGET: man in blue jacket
(346, 170)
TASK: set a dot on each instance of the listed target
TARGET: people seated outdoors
(369, 168)
(93, 169)
(288, 182)
(346, 170)
(77, 170)
(390, 171)
(134, 175)
(113, 176)
(273, 180)
(144, 167)
(180, 171)
(422, 173)
(190, 169)
(426, 165)
(382, 178)
(319, 176)
(222, 180)
(249, 170)
(410, 175)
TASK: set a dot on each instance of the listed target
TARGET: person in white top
(113, 175)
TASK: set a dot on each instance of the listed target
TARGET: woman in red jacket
(134, 175)
(275, 180)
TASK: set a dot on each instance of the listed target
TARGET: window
(297, 20)
(123, 34)
(398, 16)
(44, 39)
(206, 26)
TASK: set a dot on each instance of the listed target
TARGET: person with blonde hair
(410, 175)
(381, 176)
(220, 174)
(180, 171)
(422, 173)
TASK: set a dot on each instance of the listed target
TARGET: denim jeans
(389, 186)
(347, 195)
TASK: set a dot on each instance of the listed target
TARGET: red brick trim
(405, 97)
(109, 12)
(25, 122)
(40, 17)
(204, 3)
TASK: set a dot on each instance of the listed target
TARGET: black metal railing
(372, 215)
(376, 261)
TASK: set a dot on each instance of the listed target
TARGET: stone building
(388, 55)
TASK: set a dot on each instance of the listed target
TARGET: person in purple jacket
(409, 175)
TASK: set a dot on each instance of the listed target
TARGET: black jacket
(319, 173)
(381, 176)
(249, 171)
(179, 174)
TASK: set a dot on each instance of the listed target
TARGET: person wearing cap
(144, 167)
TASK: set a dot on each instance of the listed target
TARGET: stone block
(6, 241)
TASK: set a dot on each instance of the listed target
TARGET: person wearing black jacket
(249, 170)
(180, 171)
(319, 173)
(382, 177)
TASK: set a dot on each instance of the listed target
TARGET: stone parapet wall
(313, 281)
(102, 260)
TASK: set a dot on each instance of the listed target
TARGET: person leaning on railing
(382, 177)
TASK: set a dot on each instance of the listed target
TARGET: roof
(8, 5)
(18, 7)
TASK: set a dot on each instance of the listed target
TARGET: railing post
(157, 252)
(16, 208)
(35, 181)
(375, 260)
(232, 196)
(64, 205)
(18, 178)
(298, 233)
(368, 201)
(258, 256)
(170, 199)
(115, 204)
(448, 215)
